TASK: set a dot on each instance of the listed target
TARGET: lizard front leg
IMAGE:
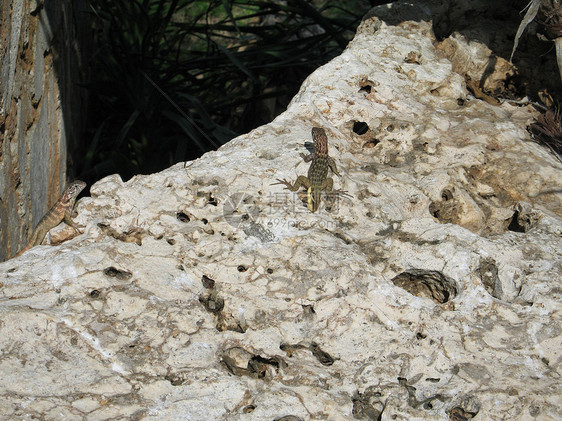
(302, 181)
(68, 219)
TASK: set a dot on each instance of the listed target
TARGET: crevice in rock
(212, 302)
(371, 143)
(448, 210)
(243, 363)
(182, 217)
(215, 305)
(308, 310)
(113, 272)
(427, 284)
(322, 356)
(488, 272)
(465, 410)
(207, 282)
(413, 401)
(368, 405)
(176, 379)
(133, 235)
(514, 223)
(524, 218)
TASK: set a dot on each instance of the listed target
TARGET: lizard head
(73, 190)
(320, 141)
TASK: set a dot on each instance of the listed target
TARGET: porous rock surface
(429, 290)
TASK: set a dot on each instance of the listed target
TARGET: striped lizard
(62, 210)
(317, 179)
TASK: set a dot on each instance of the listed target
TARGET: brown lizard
(62, 210)
(317, 180)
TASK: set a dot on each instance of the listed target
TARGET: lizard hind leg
(333, 167)
(327, 185)
(38, 236)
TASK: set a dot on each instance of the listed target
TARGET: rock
(45, 54)
(429, 291)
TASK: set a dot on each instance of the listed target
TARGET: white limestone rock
(205, 292)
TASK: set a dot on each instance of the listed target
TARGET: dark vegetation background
(172, 79)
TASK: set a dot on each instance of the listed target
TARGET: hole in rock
(248, 409)
(182, 217)
(459, 414)
(116, 273)
(427, 284)
(420, 336)
(360, 127)
(447, 210)
(176, 379)
(308, 309)
(434, 210)
(366, 85)
(207, 282)
(212, 302)
(371, 143)
(514, 223)
(366, 88)
(446, 194)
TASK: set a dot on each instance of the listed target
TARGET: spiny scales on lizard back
(61, 210)
(317, 180)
